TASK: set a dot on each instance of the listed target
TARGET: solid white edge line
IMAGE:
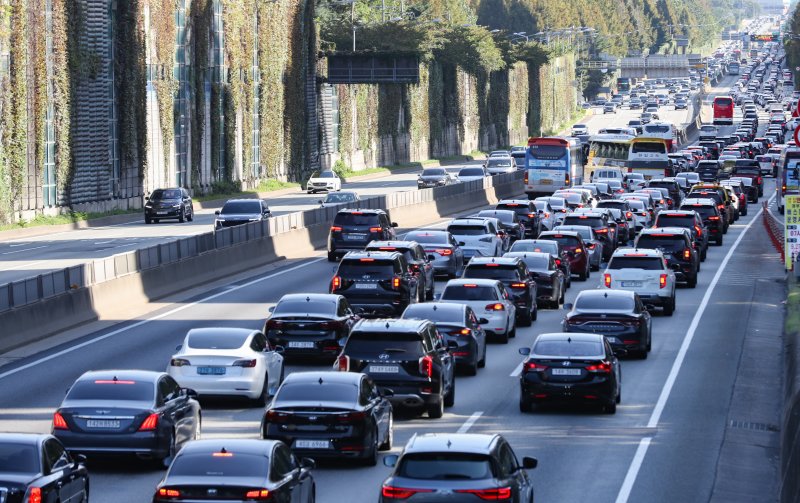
(655, 416)
(517, 370)
(154, 318)
(471, 420)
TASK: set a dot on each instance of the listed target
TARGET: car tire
(262, 399)
(611, 407)
(583, 276)
(331, 257)
(513, 331)
(692, 281)
(669, 307)
(450, 397)
(502, 338)
(432, 292)
(482, 361)
(525, 405)
(173, 449)
(155, 220)
(472, 368)
(436, 410)
(387, 444)
(718, 241)
(148, 220)
(535, 313)
(182, 216)
(525, 319)
(371, 458)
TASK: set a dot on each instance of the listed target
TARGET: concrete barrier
(35, 308)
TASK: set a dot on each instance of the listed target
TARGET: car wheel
(692, 282)
(436, 410)
(526, 319)
(331, 257)
(482, 361)
(698, 266)
(502, 338)
(611, 407)
(450, 397)
(182, 216)
(261, 401)
(167, 460)
(513, 331)
(583, 276)
(190, 216)
(371, 457)
(147, 220)
(430, 293)
(155, 220)
(525, 405)
(387, 444)
(535, 313)
(669, 307)
(718, 242)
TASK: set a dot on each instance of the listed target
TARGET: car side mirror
(272, 309)
(342, 341)
(308, 463)
(437, 296)
(525, 351)
(568, 306)
(79, 459)
(216, 212)
(394, 224)
(483, 321)
(391, 460)
(178, 347)
(529, 463)
(146, 198)
(189, 392)
(320, 201)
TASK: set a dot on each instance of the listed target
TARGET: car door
(480, 334)
(509, 473)
(378, 407)
(285, 472)
(425, 265)
(177, 408)
(59, 474)
(273, 361)
(433, 339)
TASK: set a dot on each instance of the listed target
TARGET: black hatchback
(354, 229)
(163, 204)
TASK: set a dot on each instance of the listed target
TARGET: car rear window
(498, 163)
(468, 292)
(572, 348)
(601, 302)
(706, 194)
(241, 207)
(232, 464)
(620, 205)
(536, 263)
(467, 230)
(302, 306)
(119, 390)
(519, 246)
(356, 219)
(703, 211)
(564, 240)
(18, 458)
(519, 209)
(593, 222)
(486, 271)
(205, 340)
(670, 243)
(357, 269)
(506, 217)
(368, 344)
(427, 237)
(646, 263)
(446, 466)
(313, 392)
(434, 313)
(674, 221)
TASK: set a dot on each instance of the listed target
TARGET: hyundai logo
(565, 363)
(312, 418)
(384, 356)
(103, 411)
(211, 492)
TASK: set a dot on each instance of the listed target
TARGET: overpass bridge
(651, 66)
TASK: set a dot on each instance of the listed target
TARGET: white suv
(489, 299)
(480, 236)
(645, 272)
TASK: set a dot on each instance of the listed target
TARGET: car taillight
(59, 423)
(662, 281)
(150, 423)
(601, 231)
(165, 492)
(643, 213)
(699, 230)
(566, 180)
(558, 262)
(277, 324)
(248, 364)
(401, 493)
(493, 494)
(35, 495)
(336, 283)
(535, 367)
(426, 366)
(375, 229)
(687, 254)
(497, 306)
(591, 246)
(178, 362)
(607, 280)
(578, 250)
(628, 215)
(257, 494)
(518, 285)
(713, 218)
(531, 215)
(525, 178)
(601, 368)
(460, 331)
(444, 252)
(274, 416)
(336, 228)
(343, 363)
(759, 180)
(396, 282)
(351, 416)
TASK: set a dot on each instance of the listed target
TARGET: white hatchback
(489, 299)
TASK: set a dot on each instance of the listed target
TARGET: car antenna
(387, 325)
(435, 308)
(223, 451)
(115, 379)
(308, 299)
(605, 295)
(569, 339)
(320, 380)
(449, 443)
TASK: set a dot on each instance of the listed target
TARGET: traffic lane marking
(471, 420)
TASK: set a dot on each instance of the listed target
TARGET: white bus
(662, 130)
(650, 157)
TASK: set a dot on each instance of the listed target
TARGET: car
(499, 153)
(619, 315)
(676, 245)
(691, 177)
(408, 360)
(354, 229)
(326, 180)
(558, 204)
(457, 323)
(595, 247)
(550, 283)
(578, 129)
(720, 196)
(228, 469)
(514, 274)
(508, 222)
(471, 173)
(127, 412)
(241, 211)
(433, 177)
(444, 251)
(634, 181)
(645, 272)
(35, 467)
(546, 246)
(342, 197)
(480, 237)
(673, 189)
(417, 259)
(377, 283)
(577, 253)
(747, 168)
(711, 215)
(622, 211)
(604, 228)
(457, 467)
(691, 221)
(737, 187)
(518, 154)
(528, 214)
(499, 164)
(309, 325)
(330, 415)
(566, 366)
(609, 108)
(547, 215)
(163, 204)
(228, 361)
(750, 188)
(681, 104)
(489, 299)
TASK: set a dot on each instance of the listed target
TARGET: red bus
(723, 110)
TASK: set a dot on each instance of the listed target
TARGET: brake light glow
(601, 231)
(518, 285)
(470, 286)
(531, 215)
(387, 248)
(375, 229)
(426, 366)
(222, 454)
(497, 306)
(602, 368)
(494, 494)
(699, 230)
(35, 495)
(337, 282)
(713, 217)
(492, 265)
(628, 215)
(396, 282)
(578, 250)
(607, 280)
(343, 363)
(366, 260)
(58, 422)
(257, 494)
(248, 364)
(113, 381)
(401, 493)
(169, 493)
(662, 281)
(150, 423)
(535, 367)
(444, 252)
(462, 331)
(687, 254)
(336, 228)
(558, 262)
(525, 179)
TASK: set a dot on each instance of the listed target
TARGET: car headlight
(176, 205)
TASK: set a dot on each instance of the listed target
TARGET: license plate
(366, 286)
(631, 283)
(312, 444)
(101, 423)
(162, 212)
(546, 181)
(384, 369)
(566, 372)
(354, 237)
(300, 344)
(211, 371)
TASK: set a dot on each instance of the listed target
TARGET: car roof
(563, 336)
(521, 202)
(122, 375)
(664, 230)
(224, 331)
(367, 211)
(704, 201)
(232, 445)
(477, 443)
(497, 212)
(321, 377)
(678, 212)
(392, 244)
(493, 260)
(637, 252)
(309, 297)
(243, 200)
(472, 281)
(377, 255)
(470, 220)
(565, 233)
(605, 293)
(390, 325)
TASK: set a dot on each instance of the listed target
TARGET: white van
(606, 174)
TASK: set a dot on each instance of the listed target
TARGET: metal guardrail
(774, 229)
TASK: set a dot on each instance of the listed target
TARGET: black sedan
(237, 470)
(550, 282)
(137, 412)
(37, 468)
(165, 204)
(617, 314)
(510, 223)
(330, 414)
(241, 211)
(570, 367)
(310, 324)
(433, 177)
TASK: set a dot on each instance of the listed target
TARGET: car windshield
(564, 240)
(317, 391)
(469, 292)
(433, 313)
(232, 464)
(327, 307)
(471, 172)
(166, 194)
(111, 389)
(603, 302)
(372, 270)
(445, 466)
(485, 271)
(367, 345)
(428, 237)
(356, 219)
(568, 348)
(498, 163)
(340, 198)
(582, 220)
(668, 243)
(467, 230)
(646, 263)
(433, 172)
(241, 207)
(537, 262)
(18, 458)
(219, 340)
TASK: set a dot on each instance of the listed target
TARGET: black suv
(601, 225)
(510, 222)
(688, 220)
(675, 192)
(527, 214)
(676, 245)
(354, 229)
(514, 274)
(376, 283)
(407, 359)
(168, 203)
(709, 212)
(417, 259)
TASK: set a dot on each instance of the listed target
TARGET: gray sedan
(444, 252)
(594, 245)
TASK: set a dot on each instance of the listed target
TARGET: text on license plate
(546, 181)
(312, 444)
(631, 283)
(566, 372)
(384, 369)
(354, 237)
(162, 212)
(101, 423)
(366, 286)
(211, 371)
(300, 344)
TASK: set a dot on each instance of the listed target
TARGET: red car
(575, 248)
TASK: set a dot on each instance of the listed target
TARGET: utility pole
(353, 21)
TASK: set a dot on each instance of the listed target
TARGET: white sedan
(225, 361)
(325, 180)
